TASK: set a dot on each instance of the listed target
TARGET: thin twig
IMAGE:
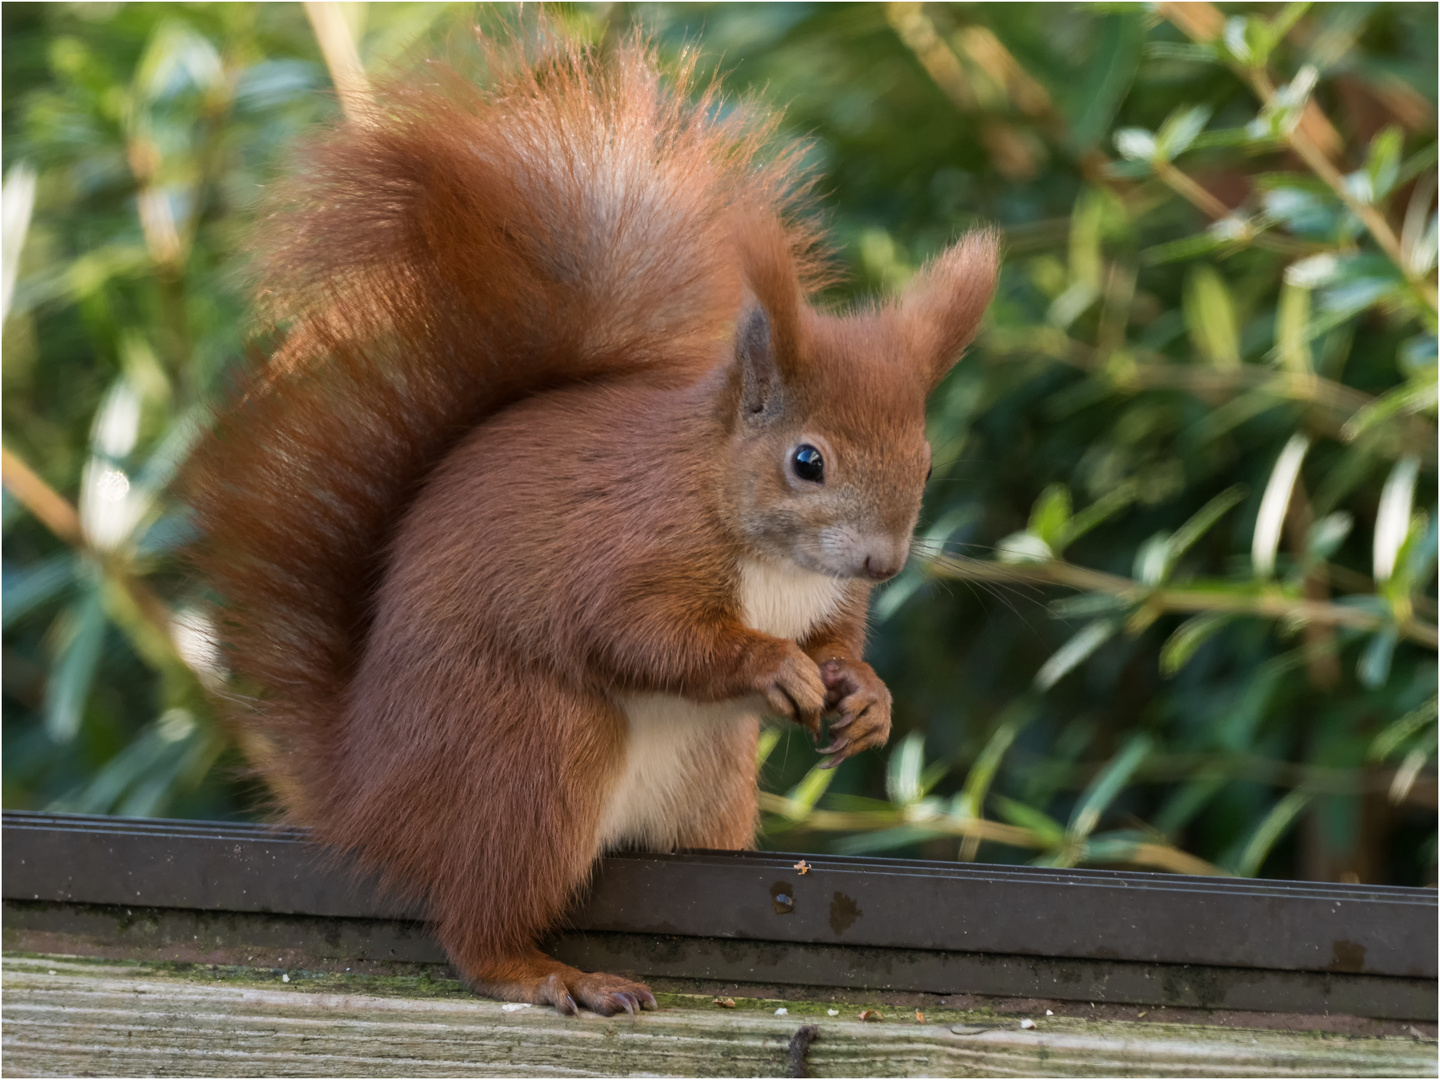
(53, 510)
(341, 57)
(1270, 604)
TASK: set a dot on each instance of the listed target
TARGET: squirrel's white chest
(666, 783)
(785, 600)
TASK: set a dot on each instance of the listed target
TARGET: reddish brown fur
(507, 470)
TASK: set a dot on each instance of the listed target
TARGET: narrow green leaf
(1075, 652)
(1050, 517)
(1109, 72)
(1382, 162)
(807, 792)
(74, 670)
(769, 738)
(1135, 144)
(1180, 130)
(1182, 805)
(1102, 791)
(1210, 317)
(1417, 395)
(1027, 817)
(1087, 227)
(1292, 321)
(1201, 522)
(1395, 734)
(970, 802)
(1326, 535)
(26, 589)
(902, 774)
(1392, 517)
(1103, 508)
(1023, 547)
(1188, 637)
(1374, 666)
(1274, 503)
(1273, 826)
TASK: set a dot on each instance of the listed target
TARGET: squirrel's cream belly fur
(661, 794)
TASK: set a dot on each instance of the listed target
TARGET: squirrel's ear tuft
(940, 309)
(767, 339)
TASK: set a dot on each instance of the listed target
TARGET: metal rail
(903, 924)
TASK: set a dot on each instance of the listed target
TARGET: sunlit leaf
(1392, 518)
(1050, 517)
(1210, 317)
(1180, 129)
(902, 776)
(1274, 503)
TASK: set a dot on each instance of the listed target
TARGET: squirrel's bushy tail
(574, 219)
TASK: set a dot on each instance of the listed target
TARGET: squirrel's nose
(881, 567)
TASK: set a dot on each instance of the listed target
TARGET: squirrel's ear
(761, 385)
(940, 309)
(767, 340)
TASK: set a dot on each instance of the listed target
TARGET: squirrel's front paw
(790, 683)
(855, 692)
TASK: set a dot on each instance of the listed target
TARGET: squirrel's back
(462, 247)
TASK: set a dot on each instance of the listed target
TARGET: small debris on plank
(514, 1006)
(725, 1003)
(803, 867)
(1049, 1012)
(919, 1017)
(782, 1011)
(968, 1029)
(284, 978)
(1027, 1023)
(870, 1014)
(836, 1012)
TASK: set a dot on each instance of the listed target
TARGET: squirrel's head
(827, 412)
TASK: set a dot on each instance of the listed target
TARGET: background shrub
(1172, 603)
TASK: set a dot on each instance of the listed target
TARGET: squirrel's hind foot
(539, 980)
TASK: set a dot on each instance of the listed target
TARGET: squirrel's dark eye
(808, 464)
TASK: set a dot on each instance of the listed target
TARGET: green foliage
(1172, 604)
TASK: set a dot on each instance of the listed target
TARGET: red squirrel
(555, 486)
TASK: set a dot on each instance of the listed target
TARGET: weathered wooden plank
(73, 1016)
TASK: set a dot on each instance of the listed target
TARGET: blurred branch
(1270, 604)
(338, 47)
(53, 510)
